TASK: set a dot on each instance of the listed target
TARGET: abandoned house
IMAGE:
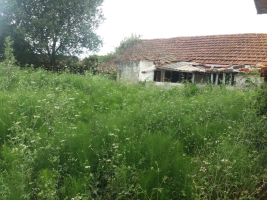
(219, 59)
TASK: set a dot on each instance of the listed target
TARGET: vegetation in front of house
(67, 136)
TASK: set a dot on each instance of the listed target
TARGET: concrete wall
(240, 79)
(128, 71)
(168, 84)
(148, 76)
(131, 71)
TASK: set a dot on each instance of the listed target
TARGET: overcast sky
(173, 18)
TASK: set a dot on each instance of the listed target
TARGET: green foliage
(90, 62)
(88, 137)
(9, 57)
(7, 67)
(190, 89)
(127, 42)
(260, 99)
(104, 58)
(124, 44)
(52, 28)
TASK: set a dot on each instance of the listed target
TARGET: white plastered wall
(132, 71)
(149, 67)
(241, 78)
(128, 71)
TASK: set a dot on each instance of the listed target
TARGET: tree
(90, 62)
(49, 27)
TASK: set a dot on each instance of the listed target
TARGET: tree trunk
(53, 55)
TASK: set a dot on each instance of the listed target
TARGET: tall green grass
(89, 137)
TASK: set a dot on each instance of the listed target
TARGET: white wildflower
(203, 169)
(72, 127)
(86, 167)
(14, 149)
(206, 163)
(71, 98)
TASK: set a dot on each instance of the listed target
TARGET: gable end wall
(128, 71)
(131, 71)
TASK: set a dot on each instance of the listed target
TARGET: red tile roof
(235, 49)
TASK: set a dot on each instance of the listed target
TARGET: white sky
(173, 18)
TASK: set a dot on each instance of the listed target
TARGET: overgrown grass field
(89, 137)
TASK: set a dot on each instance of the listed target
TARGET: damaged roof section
(181, 66)
(196, 67)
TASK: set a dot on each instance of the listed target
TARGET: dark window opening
(202, 78)
(220, 80)
(168, 75)
(175, 77)
(186, 77)
(233, 79)
(157, 75)
(229, 80)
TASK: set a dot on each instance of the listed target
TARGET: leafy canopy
(53, 27)
(124, 44)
